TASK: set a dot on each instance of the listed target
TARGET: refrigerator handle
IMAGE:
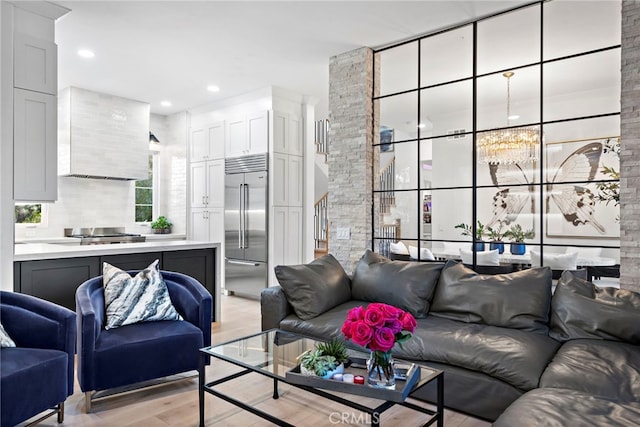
(246, 216)
(240, 221)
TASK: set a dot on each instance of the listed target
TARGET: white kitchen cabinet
(288, 179)
(287, 235)
(287, 134)
(207, 224)
(248, 134)
(35, 146)
(207, 184)
(207, 142)
(35, 64)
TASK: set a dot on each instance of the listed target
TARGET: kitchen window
(146, 192)
(30, 214)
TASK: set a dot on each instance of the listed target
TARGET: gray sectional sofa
(511, 352)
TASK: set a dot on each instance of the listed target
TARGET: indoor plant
(467, 230)
(379, 327)
(496, 235)
(517, 234)
(326, 360)
(161, 225)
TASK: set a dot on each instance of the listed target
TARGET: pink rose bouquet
(379, 327)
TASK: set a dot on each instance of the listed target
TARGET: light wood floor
(176, 404)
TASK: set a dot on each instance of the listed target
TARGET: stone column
(351, 157)
(630, 148)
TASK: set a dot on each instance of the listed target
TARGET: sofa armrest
(274, 307)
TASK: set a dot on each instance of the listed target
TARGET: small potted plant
(161, 225)
(496, 235)
(518, 235)
(480, 232)
(325, 361)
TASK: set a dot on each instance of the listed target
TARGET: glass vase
(380, 370)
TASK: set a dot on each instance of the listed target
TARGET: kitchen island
(54, 271)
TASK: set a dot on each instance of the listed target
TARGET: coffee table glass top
(275, 352)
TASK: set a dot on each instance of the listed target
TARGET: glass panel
(446, 110)
(575, 214)
(435, 67)
(504, 175)
(522, 104)
(513, 208)
(426, 221)
(143, 213)
(144, 196)
(446, 162)
(598, 128)
(509, 40)
(398, 167)
(399, 114)
(397, 214)
(582, 86)
(567, 32)
(28, 214)
(450, 208)
(398, 68)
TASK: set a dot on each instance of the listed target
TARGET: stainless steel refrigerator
(245, 223)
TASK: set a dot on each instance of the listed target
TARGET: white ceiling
(172, 50)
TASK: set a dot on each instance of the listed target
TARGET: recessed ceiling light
(421, 126)
(166, 104)
(513, 117)
(213, 88)
(86, 53)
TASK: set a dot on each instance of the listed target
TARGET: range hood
(102, 136)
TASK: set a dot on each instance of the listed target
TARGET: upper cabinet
(35, 64)
(34, 136)
(207, 142)
(247, 134)
(102, 136)
(287, 134)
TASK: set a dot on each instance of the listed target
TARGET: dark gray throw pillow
(404, 284)
(519, 300)
(579, 309)
(314, 288)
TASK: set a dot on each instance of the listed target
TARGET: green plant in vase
(326, 360)
(161, 225)
(467, 230)
(495, 236)
(518, 236)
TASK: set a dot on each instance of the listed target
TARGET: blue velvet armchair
(132, 354)
(37, 374)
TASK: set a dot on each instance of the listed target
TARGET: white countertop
(37, 251)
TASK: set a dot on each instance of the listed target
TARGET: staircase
(388, 184)
(321, 227)
(322, 138)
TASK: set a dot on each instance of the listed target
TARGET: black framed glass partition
(503, 129)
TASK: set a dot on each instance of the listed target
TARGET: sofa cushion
(605, 368)
(425, 253)
(314, 288)
(517, 300)
(325, 326)
(566, 261)
(122, 354)
(22, 371)
(562, 407)
(403, 284)
(5, 339)
(580, 309)
(514, 356)
(482, 258)
(142, 298)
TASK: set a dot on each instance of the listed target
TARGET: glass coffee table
(274, 354)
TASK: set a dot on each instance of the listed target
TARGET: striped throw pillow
(143, 298)
(5, 339)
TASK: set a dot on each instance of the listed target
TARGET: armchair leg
(87, 401)
(61, 413)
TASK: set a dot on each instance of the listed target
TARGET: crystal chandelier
(513, 146)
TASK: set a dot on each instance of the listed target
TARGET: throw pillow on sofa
(314, 288)
(143, 298)
(519, 300)
(566, 261)
(404, 284)
(482, 258)
(579, 309)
